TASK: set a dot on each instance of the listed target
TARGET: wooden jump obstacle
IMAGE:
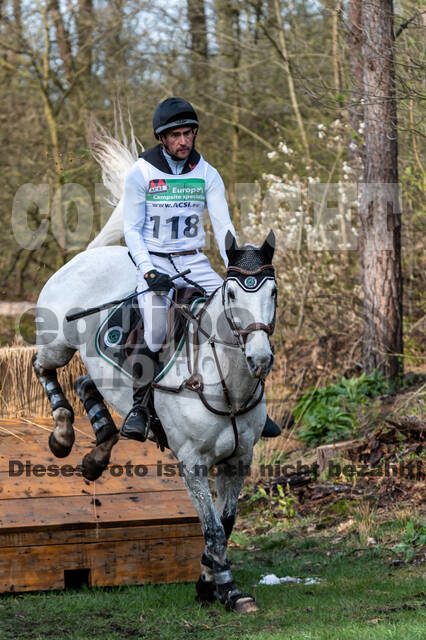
(134, 525)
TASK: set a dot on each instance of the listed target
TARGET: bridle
(195, 381)
(261, 275)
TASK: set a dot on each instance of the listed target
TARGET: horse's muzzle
(260, 368)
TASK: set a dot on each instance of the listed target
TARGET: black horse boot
(271, 429)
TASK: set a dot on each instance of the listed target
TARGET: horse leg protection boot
(62, 437)
(48, 378)
(102, 422)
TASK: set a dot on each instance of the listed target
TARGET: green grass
(361, 596)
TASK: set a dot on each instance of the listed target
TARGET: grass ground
(370, 561)
(363, 594)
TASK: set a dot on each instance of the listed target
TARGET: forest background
(278, 89)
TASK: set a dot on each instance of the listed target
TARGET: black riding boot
(138, 421)
(271, 429)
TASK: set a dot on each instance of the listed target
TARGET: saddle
(120, 337)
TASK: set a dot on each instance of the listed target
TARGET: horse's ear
(268, 247)
(230, 245)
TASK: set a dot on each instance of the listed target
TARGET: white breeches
(154, 307)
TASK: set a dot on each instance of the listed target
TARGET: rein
(195, 381)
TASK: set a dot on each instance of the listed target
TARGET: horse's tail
(115, 159)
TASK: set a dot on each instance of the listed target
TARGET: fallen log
(326, 490)
(411, 426)
(295, 479)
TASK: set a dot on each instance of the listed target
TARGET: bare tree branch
(405, 24)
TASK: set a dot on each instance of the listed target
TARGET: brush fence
(21, 393)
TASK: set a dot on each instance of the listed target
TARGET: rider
(164, 232)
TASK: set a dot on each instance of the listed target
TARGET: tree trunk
(275, 9)
(199, 49)
(380, 215)
(355, 64)
(115, 49)
(63, 41)
(85, 23)
(17, 15)
(228, 37)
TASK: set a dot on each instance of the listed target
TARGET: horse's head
(250, 300)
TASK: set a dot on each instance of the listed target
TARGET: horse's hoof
(91, 469)
(59, 450)
(245, 605)
(96, 461)
(238, 601)
(62, 438)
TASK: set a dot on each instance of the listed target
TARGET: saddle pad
(120, 337)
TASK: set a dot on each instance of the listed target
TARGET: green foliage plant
(414, 537)
(281, 504)
(331, 413)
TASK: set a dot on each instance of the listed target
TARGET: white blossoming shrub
(315, 225)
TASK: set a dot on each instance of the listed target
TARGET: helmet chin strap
(173, 157)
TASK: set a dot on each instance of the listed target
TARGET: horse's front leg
(96, 461)
(216, 578)
(62, 437)
(229, 482)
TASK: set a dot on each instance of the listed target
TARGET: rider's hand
(158, 281)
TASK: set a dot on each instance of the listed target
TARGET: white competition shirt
(163, 212)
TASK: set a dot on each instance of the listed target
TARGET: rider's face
(178, 142)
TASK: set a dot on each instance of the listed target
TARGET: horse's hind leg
(106, 433)
(206, 586)
(45, 364)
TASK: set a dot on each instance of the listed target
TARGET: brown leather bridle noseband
(268, 273)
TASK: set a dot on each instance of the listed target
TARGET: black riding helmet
(173, 112)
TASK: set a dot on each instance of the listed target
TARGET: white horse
(210, 401)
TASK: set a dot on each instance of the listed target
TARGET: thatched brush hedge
(21, 393)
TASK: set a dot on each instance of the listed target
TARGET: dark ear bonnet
(250, 265)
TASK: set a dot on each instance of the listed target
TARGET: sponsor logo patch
(158, 186)
(176, 190)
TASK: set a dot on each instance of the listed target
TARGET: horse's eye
(274, 293)
(231, 295)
